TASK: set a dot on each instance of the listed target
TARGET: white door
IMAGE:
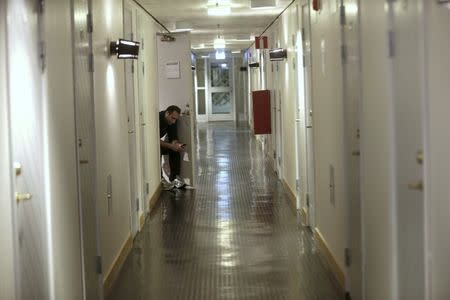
(86, 151)
(220, 79)
(352, 93)
(132, 147)
(407, 56)
(300, 118)
(32, 259)
(310, 168)
(278, 121)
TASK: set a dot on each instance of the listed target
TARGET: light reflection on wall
(108, 14)
(110, 82)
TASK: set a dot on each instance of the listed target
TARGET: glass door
(221, 102)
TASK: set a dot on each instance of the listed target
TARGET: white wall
(7, 282)
(60, 139)
(377, 156)
(437, 162)
(111, 130)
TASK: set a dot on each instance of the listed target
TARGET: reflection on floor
(234, 237)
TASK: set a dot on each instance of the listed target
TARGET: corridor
(234, 237)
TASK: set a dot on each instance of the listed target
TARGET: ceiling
(236, 28)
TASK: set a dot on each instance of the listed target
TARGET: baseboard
(337, 271)
(291, 195)
(141, 220)
(304, 215)
(113, 272)
(153, 200)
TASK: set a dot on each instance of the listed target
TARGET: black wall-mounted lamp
(124, 49)
(277, 54)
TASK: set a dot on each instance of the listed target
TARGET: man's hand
(178, 147)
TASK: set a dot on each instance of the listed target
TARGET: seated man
(169, 142)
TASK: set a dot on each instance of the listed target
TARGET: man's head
(172, 114)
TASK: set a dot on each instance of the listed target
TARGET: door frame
(210, 90)
(309, 121)
(133, 144)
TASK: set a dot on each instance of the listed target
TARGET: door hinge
(342, 15)
(391, 42)
(303, 34)
(348, 257)
(137, 204)
(41, 6)
(297, 185)
(304, 61)
(91, 62)
(132, 67)
(143, 68)
(344, 53)
(98, 263)
(348, 296)
(307, 200)
(89, 23)
(274, 154)
(147, 188)
(42, 55)
(293, 63)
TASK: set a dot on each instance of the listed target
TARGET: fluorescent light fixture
(219, 8)
(224, 66)
(205, 56)
(262, 4)
(219, 43)
(219, 11)
(183, 26)
(220, 54)
(124, 49)
(236, 52)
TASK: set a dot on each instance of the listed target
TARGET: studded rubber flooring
(234, 237)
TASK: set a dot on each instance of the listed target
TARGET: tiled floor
(234, 237)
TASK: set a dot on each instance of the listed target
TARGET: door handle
(23, 196)
(356, 153)
(297, 120)
(17, 168)
(419, 157)
(417, 186)
(309, 126)
(130, 131)
(84, 161)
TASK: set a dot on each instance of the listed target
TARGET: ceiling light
(219, 43)
(219, 8)
(236, 52)
(220, 54)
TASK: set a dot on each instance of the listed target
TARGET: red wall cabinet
(261, 112)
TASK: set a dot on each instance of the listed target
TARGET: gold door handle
(23, 196)
(17, 168)
(356, 153)
(419, 157)
(83, 162)
(417, 186)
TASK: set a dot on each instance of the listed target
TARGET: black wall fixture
(124, 49)
(277, 54)
(254, 65)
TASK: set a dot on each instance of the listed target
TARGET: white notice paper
(173, 69)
